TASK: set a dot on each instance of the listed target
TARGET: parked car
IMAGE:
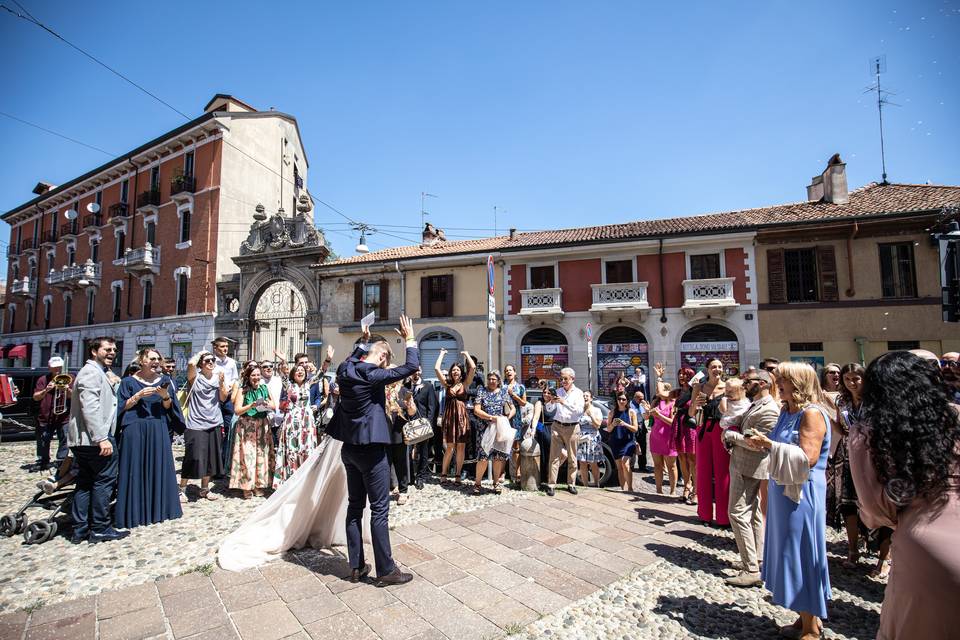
(19, 421)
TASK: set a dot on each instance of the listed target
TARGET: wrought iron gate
(279, 322)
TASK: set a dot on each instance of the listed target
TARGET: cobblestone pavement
(598, 565)
(58, 570)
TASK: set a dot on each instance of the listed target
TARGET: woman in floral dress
(252, 465)
(298, 433)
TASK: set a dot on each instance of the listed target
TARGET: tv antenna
(423, 212)
(878, 65)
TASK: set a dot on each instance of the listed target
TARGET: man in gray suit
(90, 435)
(748, 470)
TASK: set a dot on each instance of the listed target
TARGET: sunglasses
(621, 399)
(950, 364)
(207, 361)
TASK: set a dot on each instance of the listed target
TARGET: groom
(360, 422)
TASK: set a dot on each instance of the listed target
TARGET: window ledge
(184, 245)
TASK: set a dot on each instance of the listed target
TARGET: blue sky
(559, 113)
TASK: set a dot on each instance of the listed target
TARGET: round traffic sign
(490, 285)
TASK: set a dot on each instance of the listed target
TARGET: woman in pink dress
(684, 430)
(662, 441)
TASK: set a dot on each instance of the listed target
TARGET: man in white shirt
(565, 431)
(226, 365)
(274, 387)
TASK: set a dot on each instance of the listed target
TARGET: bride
(306, 511)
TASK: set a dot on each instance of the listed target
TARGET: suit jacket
(761, 416)
(426, 400)
(93, 412)
(360, 416)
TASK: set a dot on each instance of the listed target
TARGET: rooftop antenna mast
(878, 65)
(423, 212)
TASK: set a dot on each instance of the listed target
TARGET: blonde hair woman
(795, 556)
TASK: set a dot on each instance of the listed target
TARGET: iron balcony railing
(149, 198)
(119, 211)
(183, 184)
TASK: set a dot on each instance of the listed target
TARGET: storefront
(543, 353)
(706, 342)
(621, 351)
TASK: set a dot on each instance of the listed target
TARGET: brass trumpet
(61, 383)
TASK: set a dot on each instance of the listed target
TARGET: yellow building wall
(838, 328)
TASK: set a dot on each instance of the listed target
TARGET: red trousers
(713, 475)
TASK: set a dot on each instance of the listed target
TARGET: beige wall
(837, 328)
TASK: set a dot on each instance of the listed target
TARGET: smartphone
(698, 378)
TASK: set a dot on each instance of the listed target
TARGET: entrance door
(279, 322)
(621, 351)
(543, 353)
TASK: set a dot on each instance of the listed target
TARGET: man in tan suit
(748, 470)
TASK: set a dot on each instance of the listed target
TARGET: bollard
(529, 465)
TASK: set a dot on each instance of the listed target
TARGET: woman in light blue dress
(795, 550)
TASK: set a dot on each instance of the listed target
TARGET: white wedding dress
(308, 510)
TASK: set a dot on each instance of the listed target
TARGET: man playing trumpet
(53, 394)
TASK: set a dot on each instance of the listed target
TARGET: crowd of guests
(776, 454)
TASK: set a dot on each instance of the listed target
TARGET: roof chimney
(42, 187)
(831, 185)
(432, 235)
(513, 233)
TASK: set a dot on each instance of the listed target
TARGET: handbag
(417, 430)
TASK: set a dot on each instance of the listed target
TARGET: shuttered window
(800, 270)
(436, 296)
(371, 296)
(897, 272)
(802, 275)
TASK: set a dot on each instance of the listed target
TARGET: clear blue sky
(560, 113)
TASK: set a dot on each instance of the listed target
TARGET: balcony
(118, 213)
(709, 296)
(13, 251)
(48, 238)
(77, 276)
(92, 222)
(25, 288)
(70, 230)
(29, 245)
(148, 199)
(183, 184)
(537, 303)
(141, 261)
(620, 298)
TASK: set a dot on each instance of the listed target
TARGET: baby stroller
(54, 497)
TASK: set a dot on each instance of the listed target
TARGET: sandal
(882, 571)
(206, 493)
(477, 490)
(444, 480)
(853, 558)
(402, 499)
(183, 497)
(458, 482)
(498, 488)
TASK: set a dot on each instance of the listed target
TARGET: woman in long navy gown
(147, 490)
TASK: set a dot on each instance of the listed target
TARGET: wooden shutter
(827, 267)
(448, 288)
(776, 277)
(384, 299)
(358, 300)
(425, 297)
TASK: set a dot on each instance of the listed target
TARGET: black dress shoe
(394, 577)
(548, 490)
(418, 484)
(572, 489)
(357, 575)
(77, 539)
(108, 535)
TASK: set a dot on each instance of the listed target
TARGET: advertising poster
(614, 360)
(543, 361)
(696, 355)
(180, 352)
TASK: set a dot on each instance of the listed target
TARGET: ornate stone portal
(273, 302)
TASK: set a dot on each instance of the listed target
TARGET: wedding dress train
(308, 510)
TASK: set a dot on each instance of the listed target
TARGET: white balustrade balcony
(76, 276)
(540, 302)
(711, 295)
(620, 297)
(23, 288)
(142, 260)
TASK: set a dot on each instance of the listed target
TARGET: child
(734, 402)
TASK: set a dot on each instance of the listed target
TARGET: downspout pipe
(663, 293)
(853, 234)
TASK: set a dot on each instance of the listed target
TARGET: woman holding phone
(622, 426)
(252, 465)
(713, 460)
(147, 490)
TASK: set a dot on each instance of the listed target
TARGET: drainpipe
(852, 291)
(403, 287)
(663, 293)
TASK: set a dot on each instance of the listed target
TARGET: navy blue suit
(360, 422)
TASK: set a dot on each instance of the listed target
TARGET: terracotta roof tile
(868, 201)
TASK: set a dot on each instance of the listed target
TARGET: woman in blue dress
(147, 490)
(795, 551)
(622, 426)
(517, 393)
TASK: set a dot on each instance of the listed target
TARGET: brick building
(135, 248)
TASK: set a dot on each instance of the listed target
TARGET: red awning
(19, 351)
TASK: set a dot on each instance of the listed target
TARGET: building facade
(135, 248)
